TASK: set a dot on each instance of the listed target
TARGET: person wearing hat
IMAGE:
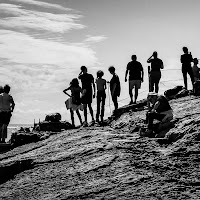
(158, 108)
(101, 95)
(196, 69)
(155, 73)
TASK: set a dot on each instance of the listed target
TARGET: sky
(43, 44)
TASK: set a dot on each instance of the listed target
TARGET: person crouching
(158, 108)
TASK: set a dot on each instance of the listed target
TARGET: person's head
(152, 97)
(111, 69)
(1, 89)
(155, 54)
(134, 57)
(185, 49)
(84, 69)
(6, 89)
(74, 82)
(195, 60)
(100, 74)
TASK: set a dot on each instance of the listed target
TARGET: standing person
(87, 84)
(136, 74)
(115, 87)
(186, 60)
(196, 70)
(7, 106)
(155, 73)
(158, 108)
(101, 95)
(74, 102)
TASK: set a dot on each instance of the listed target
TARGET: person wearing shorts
(136, 73)
(87, 81)
(155, 73)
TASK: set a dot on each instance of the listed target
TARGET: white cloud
(22, 48)
(94, 39)
(41, 3)
(45, 21)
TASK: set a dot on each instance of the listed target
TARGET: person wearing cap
(186, 60)
(196, 69)
(101, 95)
(7, 106)
(136, 73)
(155, 73)
(158, 108)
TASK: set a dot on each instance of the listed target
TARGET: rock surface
(110, 162)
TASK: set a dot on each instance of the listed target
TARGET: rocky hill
(110, 162)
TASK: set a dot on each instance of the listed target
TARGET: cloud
(43, 21)
(94, 39)
(22, 48)
(43, 4)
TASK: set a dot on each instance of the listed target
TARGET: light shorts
(134, 83)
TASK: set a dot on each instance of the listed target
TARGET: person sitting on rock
(74, 102)
(158, 108)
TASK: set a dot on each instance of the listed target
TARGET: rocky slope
(110, 162)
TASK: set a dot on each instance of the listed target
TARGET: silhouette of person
(7, 106)
(101, 95)
(87, 81)
(186, 60)
(158, 108)
(136, 73)
(196, 69)
(155, 73)
(74, 103)
(115, 87)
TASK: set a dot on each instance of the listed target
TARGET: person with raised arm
(155, 73)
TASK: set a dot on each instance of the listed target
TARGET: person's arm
(12, 104)
(79, 76)
(94, 89)
(65, 91)
(155, 106)
(126, 73)
(149, 59)
(162, 65)
(105, 87)
(181, 59)
(142, 73)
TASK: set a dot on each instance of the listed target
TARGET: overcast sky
(43, 44)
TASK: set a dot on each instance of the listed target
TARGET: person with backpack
(74, 102)
(155, 73)
(101, 95)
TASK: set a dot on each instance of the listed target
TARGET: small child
(196, 69)
(74, 102)
(101, 95)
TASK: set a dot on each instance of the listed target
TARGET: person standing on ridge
(101, 95)
(186, 60)
(196, 70)
(115, 87)
(87, 81)
(155, 73)
(7, 106)
(74, 102)
(136, 74)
